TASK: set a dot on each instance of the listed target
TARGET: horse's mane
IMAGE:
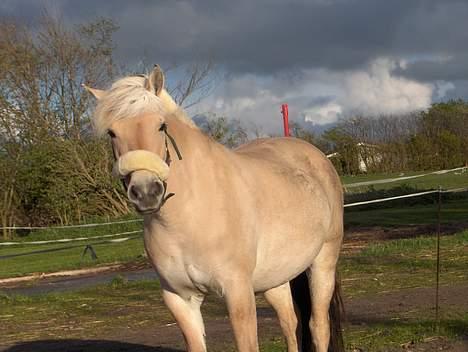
(128, 97)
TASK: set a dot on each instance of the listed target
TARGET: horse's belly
(280, 260)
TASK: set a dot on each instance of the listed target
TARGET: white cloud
(376, 91)
(325, 113)
(321, 96)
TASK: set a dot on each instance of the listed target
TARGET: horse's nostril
(135, 193)
(156, 189)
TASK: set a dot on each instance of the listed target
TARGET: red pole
(284, 111)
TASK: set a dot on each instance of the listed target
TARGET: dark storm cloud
(268, 36)
(437, 69)
(276, 37)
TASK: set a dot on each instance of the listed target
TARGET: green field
(453, 211)
(446, 181)
(67, 259)
(107, 253)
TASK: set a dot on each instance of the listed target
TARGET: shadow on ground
(71, 345)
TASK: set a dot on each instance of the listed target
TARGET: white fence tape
(69, 226)
(396, 179)
(64, 240)
(390, 198)
(405, 196)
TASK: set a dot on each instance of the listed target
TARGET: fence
(88, 246)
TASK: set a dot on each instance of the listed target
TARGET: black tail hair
(301, 296)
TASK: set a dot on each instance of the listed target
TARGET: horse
(266, 217)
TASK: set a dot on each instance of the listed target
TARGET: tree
(229, 132)
(42, 73)
(300, 132)
(52, 172)
(346, 153)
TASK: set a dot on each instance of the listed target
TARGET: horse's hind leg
(322, 286)
(281, 300)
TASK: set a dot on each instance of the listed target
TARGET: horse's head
(132, 112)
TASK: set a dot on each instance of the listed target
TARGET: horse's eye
(111, 133)
(163, 127)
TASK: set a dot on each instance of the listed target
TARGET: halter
(173, 142)
(168, 159)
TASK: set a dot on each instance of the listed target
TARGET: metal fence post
(439, 206)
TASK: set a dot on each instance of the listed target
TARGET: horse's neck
(199, 154)
(195, 147)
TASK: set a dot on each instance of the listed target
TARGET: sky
(328, 59)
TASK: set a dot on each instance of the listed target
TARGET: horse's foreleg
(188, 316)
(280, 299)
(322, 284)
(240, 300)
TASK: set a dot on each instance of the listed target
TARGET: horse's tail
(301, 296)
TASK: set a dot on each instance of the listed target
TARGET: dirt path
(383, 308)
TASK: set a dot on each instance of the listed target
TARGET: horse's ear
(97, 93)
(155, 81)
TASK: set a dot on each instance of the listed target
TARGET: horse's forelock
(128, 97)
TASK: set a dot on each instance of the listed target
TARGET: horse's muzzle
(145, 174)
(146, 192)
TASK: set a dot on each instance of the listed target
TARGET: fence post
(284, 111)
(439, 205)
(91, 251)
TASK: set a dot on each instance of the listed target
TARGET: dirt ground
(363, 311)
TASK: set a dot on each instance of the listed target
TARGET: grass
(107, 253)
(54, 233)
(380, 337)
(68, 259)
(421, 246)
(405, 263)
(393, 334)
(103, 311)
(419, 214)
(447, 181)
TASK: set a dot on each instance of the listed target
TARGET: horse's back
(291, 157)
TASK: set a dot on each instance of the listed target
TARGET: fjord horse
(266, 218)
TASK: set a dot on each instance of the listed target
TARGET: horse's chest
(176, 271)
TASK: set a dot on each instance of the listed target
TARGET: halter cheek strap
(168, 159)
(174, 145)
